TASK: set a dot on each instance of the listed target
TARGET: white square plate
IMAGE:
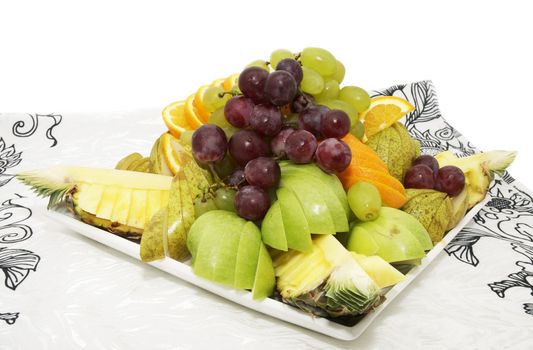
(270, 307)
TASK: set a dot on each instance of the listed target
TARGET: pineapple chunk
(105, 208)
(90, 197)
(137, 212)
(122, 206)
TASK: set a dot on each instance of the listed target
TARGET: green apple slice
(207, 248)
(247, 255)
(315, 209)
(224, 258)
(411, 223)
(389, 240)
(295, 224)
(330, 180)
(219, 219)
(265, 279)
(340, 219)
(272, 231)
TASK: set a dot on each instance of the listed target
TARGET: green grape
(343, 106)
(217, 118)
(230, 130)
(260, 64)
(212, 100)
(186, 138)
(312, 82)
(330, 92)
(355, 96)
(225, 199)
(339, 72)
(320, 60)
(279, 55)
(364, 200)
(203, 205)
(358, 130)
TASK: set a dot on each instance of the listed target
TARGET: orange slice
(383, 112)
(191, 113)
(171, 149)
(199, 104)
(230, 82)
(175, 119)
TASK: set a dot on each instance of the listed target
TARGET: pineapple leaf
(45, 185)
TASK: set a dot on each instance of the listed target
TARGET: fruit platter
(284, 189)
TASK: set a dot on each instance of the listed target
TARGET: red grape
(451, 180)
(262, 172)
(310, 119)
(209, 143)
(333, 155)
(252, 202)
(419, 176)
(293, 67)
(280, 88)
(430, 161)
(238, 110)
(236, 179)
(246, 145)
(302, 101)
(266, 119)
(335, 123)
(300, 146)
(277, 144)
(252, 83)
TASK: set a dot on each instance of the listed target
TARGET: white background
(103, 56)
(61, 56)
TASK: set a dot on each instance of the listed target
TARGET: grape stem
(232, 93)
(297, 56)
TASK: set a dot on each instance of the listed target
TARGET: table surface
(68, 291)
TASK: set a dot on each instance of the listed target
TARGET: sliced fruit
(217, 82)
(230, 82)
(381, 272)
(265, 280)
(327, 281)
(175, 118)
(170, 148)
(199, 104)
(152, 240)
(272, 229)
(125, 162)
(411, 223)
(295, 224)
(386, 238)
(101, 197)
(247, 255)
(383, 112)
(191, 114)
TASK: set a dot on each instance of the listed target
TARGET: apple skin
(387, 239)
(247, 256)
(315, 209)
(296, 227)
(272, 229)
(336, 210)
(411, 223)
(329, 180)
(228, 250)
(265, 278)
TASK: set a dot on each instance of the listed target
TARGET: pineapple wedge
(119, 201)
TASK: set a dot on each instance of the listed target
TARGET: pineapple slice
(115, 200)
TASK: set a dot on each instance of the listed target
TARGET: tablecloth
(60, 290)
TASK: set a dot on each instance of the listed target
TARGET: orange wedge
(175, 118)
(191, 113)
(199, 104)
(383, 112)
(230, 82)
(170, 149)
